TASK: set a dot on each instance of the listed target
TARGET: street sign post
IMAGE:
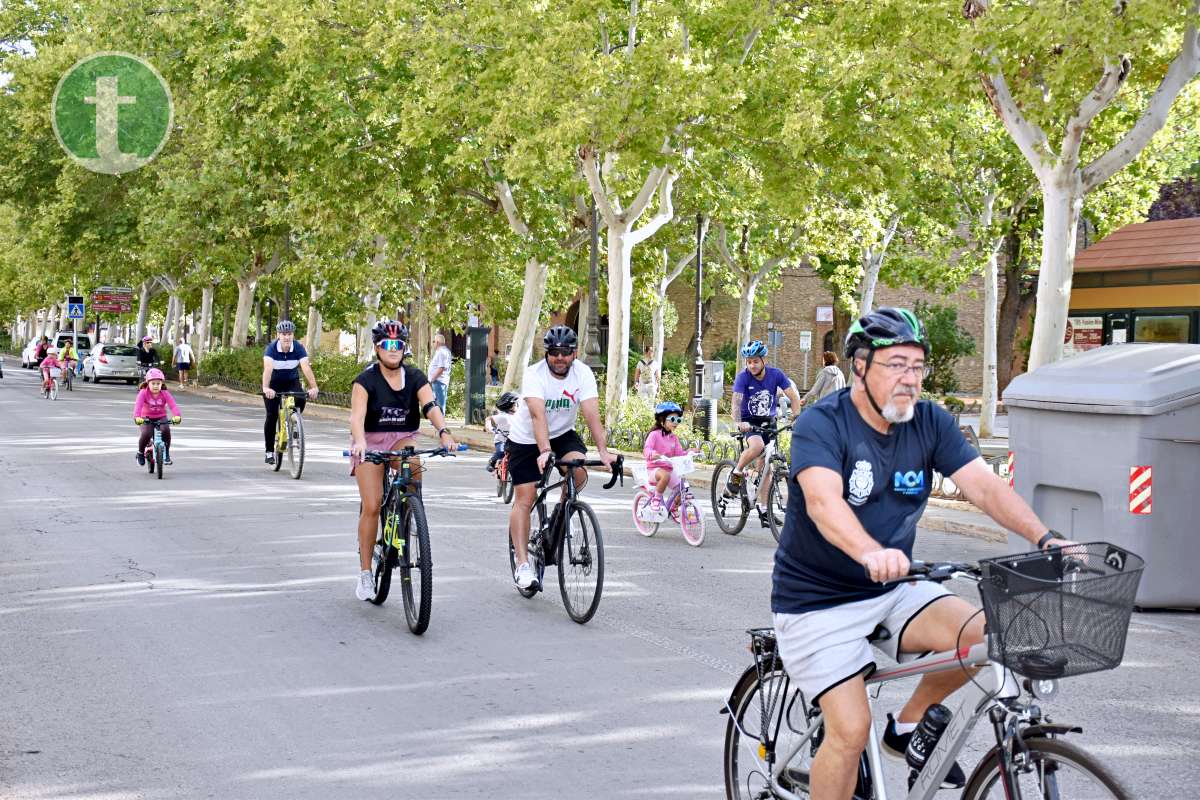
(806, 348)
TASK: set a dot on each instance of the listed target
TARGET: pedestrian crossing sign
(74, 310)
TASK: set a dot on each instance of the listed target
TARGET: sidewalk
(946, 516)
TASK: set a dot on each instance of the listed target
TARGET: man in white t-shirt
(554, 391)
(439, 371)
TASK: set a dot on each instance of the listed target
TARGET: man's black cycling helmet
(886, 327)
(389, 329)
(286, 326)
(560, 336)
(508, 401)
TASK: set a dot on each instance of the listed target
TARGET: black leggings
(272, 405)
(148, 433)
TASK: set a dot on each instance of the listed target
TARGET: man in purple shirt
(755, 404)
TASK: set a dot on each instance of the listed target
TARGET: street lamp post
(591, 355)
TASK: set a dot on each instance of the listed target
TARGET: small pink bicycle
(679, 504)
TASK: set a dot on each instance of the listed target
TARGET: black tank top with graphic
(389, 410)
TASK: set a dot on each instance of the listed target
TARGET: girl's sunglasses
(392, 345)
(674, 419)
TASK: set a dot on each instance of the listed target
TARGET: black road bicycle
(732, 513)
(570, 537)
(403, 540)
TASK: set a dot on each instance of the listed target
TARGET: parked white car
(29, 354)
(112, 362)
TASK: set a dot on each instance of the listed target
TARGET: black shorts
(522, 458)
(761, 427)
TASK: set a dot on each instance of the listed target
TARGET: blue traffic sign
(74, 310)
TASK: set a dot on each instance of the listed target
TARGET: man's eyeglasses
(392, 345)
(560, 352)
(674, 419)
(898, 368)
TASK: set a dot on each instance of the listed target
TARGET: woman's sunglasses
(674, 419)
(392, 345)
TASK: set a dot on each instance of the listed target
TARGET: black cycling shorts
(522, 458)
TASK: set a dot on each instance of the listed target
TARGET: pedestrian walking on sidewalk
(829, 380)
(439, 371)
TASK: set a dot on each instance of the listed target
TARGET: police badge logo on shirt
(861, 483)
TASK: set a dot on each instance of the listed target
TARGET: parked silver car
(112, 362)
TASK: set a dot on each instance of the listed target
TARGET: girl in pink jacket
(661, 444)
(152, 402)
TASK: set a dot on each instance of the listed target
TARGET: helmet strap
(867, 389)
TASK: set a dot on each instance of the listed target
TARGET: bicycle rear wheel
(581, 563)
(295, 448)
(731, 514)
(508, 489)
(1059, 770)
(766, 721)
(383, 557)
(537, 518)
(641, 502)
(777, 500)
(416, 566)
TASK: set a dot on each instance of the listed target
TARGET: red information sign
(107, 298)
(1083, 333)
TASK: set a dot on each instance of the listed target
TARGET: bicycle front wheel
(731, 514)
(416, 567)
(777, 500)
(1055, 769)
(53, 390)
(581, 563)
(691, 521)
(159, 458)
(766, 721)
(295, 445)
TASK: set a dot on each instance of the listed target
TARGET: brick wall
(793, 308)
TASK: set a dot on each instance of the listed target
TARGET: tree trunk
(245, 303)
(206, 321)
(745, 316)
(536, 274)
(1015, 308)
(841, 326)
(143, 311)
(170, 323)
(1062, 199)
(987, 412)
(620, 296)
(658, 334)
(366, 348)
(313, 329)
(52, 320)
(871, 268)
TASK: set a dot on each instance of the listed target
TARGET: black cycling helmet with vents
(884, 327)
(508, 402)
(560, 336)
(389, 329)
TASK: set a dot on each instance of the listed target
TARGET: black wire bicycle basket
(1062, 612)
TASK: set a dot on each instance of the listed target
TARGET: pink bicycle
(678, 503)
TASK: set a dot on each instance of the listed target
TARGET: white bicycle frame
(992, 682)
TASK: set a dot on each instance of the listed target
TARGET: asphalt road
(199, 636)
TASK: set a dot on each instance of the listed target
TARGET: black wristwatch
(443, 431)
(1050, 536)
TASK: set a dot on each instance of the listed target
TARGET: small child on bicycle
(661, 444)
(152, 402)
(498, 424)
(48, 363)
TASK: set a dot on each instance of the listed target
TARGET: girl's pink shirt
(151, 406)
(50, 362)
(663, 443)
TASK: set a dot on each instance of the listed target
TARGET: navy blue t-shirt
(886, 483)
(760, 398)
(286, 366)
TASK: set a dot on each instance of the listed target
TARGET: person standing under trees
(829, 380)
(439, 371)
(645, 377)
(183, 360)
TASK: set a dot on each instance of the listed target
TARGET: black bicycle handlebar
(288, 392)
(163, 421)
(936, 571)
(380, 456)
(617, 467)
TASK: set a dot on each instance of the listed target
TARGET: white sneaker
(366, 586)
(525, 578)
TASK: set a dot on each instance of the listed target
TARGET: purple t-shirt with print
(760, 395)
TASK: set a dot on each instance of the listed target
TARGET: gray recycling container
(1106, 446)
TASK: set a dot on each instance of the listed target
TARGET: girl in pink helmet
(152, 402)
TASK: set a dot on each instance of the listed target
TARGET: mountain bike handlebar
(381, 456)
(287, 392)
(617, 468)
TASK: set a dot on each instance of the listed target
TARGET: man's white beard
(895, 415)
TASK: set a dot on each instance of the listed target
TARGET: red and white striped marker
(1010, 470)
(1141, 481)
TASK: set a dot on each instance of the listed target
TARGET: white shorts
(824, 648)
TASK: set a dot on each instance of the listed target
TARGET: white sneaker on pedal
(524, 576)
(366, 586)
